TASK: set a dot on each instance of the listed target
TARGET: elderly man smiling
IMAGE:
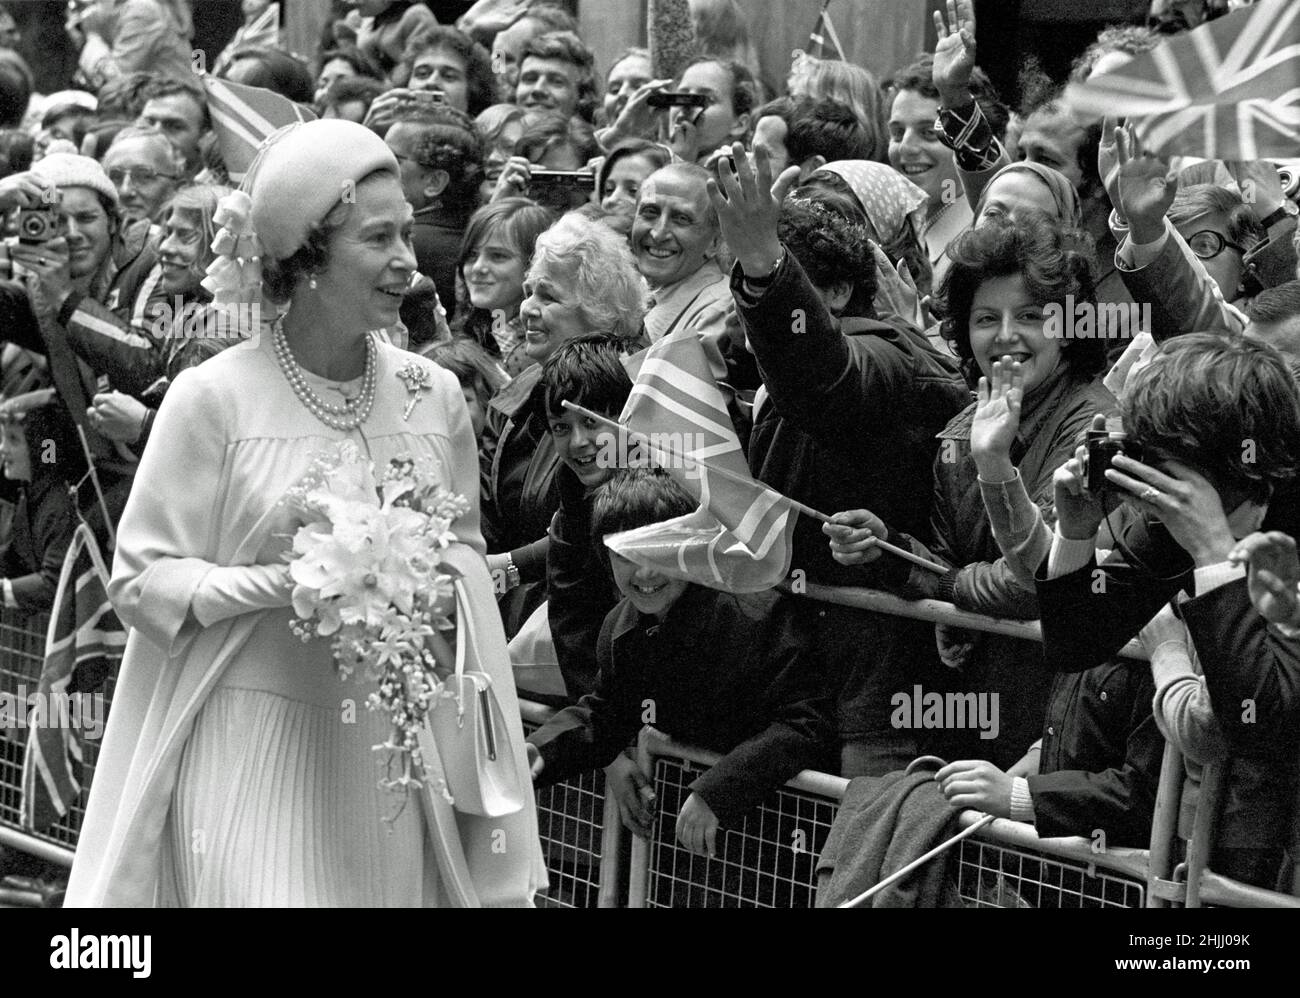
(144, 167)
(675, 241)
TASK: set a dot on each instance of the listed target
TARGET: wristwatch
(512, 573)
(765, 279)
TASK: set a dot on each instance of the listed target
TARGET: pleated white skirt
(278, 803)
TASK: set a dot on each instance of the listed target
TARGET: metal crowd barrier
(770, 860)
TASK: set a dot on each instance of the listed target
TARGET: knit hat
(61, 169)
(301, 172)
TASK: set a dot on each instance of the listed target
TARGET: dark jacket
(727, 672)
(42, 527)
(852, 412)
(1101, 755)
(850, 421)
(580, 590)
(436, 241)
(1052, 425)
(1087, 618)
(518, 463)
(105, 329)
(517, 466)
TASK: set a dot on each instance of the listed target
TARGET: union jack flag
(84, 644)
(244, 117)
(1228, 90)
(739, 539)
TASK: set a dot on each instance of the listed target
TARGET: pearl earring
(311, 282)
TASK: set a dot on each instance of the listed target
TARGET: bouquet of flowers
(368, 573)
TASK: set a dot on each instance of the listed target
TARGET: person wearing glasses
(1195, 252)
(142, 165)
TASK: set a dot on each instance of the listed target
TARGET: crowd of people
(520, 227)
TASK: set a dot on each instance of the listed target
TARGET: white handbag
(474, 740)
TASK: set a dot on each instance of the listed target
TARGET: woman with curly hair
(582, 280)
(1007, 280)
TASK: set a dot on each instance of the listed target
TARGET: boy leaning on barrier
(733, 673)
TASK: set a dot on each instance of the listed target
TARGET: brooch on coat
(418, 380)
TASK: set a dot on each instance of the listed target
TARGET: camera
(675, 98)
(425, 98)
(1103, 445)
(1288, 175)
(41, 224)
(582, 181)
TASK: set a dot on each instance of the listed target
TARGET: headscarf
(887, 197)
(301, 172)
(1063, 193)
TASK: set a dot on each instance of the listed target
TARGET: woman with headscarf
(895, 209)
(1029, 185)
(226, 777)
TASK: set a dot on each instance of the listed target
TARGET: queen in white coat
(237, 767)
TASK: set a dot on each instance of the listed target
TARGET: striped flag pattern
(740, 537)
(244, 117)
(822, 30)
(1228, 90)
(85, 635)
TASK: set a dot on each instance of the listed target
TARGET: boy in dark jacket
(731, 673)
(579, 591)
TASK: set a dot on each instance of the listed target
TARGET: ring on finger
(1151, 494)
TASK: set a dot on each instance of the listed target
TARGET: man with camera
(1210, 453)
(76, 277)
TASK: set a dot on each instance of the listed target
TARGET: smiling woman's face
(1005, 320)
(182, 255)
(550, 311)
(370, 258)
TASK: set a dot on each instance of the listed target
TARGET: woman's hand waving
(997, 418)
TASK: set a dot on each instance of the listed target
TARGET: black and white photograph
(771, 454)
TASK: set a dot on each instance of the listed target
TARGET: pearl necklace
(353, 412)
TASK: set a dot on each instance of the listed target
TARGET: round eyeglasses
(1207, 244)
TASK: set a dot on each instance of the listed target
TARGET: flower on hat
(236, 273)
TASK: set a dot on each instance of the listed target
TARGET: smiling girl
(494, 256)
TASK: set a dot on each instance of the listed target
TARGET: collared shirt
(699, 303)
(686, 302)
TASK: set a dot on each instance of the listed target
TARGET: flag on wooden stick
(740, 537)
(1228, 90)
